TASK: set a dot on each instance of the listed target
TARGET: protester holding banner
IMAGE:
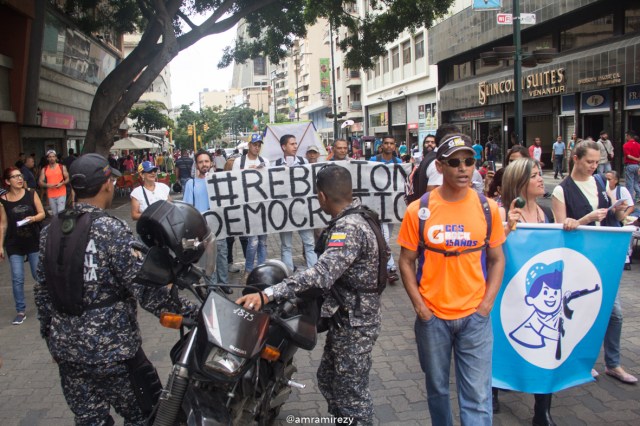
(570, 209)
(347, 272)
(255, 245)
(448, 239)
(289, 147)
(523, 178)
(388, 156)
(340, 150)
(195, 193)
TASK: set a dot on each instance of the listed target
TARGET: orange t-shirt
(452, 287)
(54, 176)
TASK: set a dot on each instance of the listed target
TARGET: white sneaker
(234, 268)
(594, 373)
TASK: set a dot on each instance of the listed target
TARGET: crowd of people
(452, 287)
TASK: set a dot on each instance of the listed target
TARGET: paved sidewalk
(30, 392)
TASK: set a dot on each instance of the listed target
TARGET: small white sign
(528, 18)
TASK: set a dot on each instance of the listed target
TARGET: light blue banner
(487, 4)
(552, 311)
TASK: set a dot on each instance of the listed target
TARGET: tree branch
(186, 19)
(211, 26)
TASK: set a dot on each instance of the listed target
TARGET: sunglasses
(455, 162)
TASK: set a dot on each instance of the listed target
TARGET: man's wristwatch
(269, 293)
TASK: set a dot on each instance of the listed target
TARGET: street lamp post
(517, 73)
(333, 84)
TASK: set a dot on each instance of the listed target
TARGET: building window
(385, 63)
(377, 68)
(462, 70)
(587, 34)
(260, 66)
(419, 46)
(395, 57)
(632, 20)
(406, 53)
(338, 73)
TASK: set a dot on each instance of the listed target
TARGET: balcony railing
(355, 106)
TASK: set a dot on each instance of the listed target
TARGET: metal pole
(517, 73)
(195, 145)
(333, 85)
(297, 63)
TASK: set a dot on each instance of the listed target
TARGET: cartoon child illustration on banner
(537, 310)
(551, 308)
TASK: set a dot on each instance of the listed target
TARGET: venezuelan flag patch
(337, 239)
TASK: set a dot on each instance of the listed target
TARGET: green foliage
(274, 28)
(169, 26)
(149, 117)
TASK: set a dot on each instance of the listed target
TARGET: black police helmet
(176, 225)
(269, 273)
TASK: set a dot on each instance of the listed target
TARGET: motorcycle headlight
(224, 362)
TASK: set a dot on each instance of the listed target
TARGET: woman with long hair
(20, 212)
(523, 178)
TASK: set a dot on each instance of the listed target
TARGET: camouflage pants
(343, 375)
(90, 391)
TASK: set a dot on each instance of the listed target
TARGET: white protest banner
(267, 200)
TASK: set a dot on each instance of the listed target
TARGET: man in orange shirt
(54, 178)
(459, 271)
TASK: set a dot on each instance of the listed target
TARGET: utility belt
(341, 317)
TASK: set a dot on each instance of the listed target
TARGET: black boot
(495, 400)
(542, 410)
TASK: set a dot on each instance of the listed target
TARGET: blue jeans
(631, 180)
(604, 168)
(308, 244)
(557, 165)
(612, 336)
(255, 246)
(471, 339)
(57, 204)
(222, 266)
(387, 230)
(17, 277)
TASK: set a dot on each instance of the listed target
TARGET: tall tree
(167, 28)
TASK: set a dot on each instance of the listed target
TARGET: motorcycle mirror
(156, 270)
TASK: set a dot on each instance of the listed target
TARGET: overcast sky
(195, 69)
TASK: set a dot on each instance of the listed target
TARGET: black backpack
(313, 309)
(64, 259)
(416, 184)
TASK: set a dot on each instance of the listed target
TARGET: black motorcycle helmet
(177, 226)
(269, 273)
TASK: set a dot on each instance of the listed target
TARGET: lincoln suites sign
(536, 84)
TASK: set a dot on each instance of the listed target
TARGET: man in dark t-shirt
(184, 164)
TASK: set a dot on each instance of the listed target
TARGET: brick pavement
(30, 392)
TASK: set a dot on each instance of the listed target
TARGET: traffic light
(206, 127)
(190, 129)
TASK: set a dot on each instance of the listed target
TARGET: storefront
(583, 93)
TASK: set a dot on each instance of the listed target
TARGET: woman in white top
(150, 191)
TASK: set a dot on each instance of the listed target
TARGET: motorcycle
(231, 365)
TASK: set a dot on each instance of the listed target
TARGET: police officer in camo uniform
(95, 338)
(346, 270)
